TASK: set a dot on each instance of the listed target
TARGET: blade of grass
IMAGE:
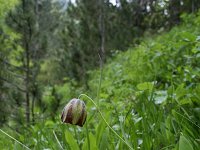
(188, 119)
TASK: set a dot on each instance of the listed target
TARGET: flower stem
(14, 139)
(106, 121)
(57, 140)
(88, 139)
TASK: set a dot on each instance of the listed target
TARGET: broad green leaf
(93, 145)
(145, 86)
(49, 123)
(92, 141)
(105, 141)
(99, 131)
(184, 144)
(85, 144)
(71, 141)
(185, 101)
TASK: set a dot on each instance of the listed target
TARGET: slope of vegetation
(155, 89)
(150, 95)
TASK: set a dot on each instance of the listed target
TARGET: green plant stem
(77, 138)
(88, 139)
(15, 139)
(106, 121)
(167, 147)
(58, 140)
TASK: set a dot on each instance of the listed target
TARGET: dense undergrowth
(149, 94)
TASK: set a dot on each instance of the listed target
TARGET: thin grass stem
(14, 139)
(57, 140)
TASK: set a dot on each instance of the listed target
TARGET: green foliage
(154, 86)
(5, 6)
(70, 140)
(7, 77)
(184, 144)
(149, 95)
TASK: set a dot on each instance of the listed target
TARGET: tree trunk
(27, 84)
(102, 31)
(26, 45)
(32, 110)
(27, 66)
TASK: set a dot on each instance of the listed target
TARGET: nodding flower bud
(74, 112)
